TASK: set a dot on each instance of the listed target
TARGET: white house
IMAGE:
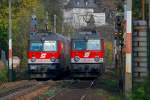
(77, 12)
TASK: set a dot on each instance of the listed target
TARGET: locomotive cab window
(93, 45)
(86, 45)
(36, 46)
(79, 45)
(50, 46)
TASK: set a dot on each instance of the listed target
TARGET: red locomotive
(46, 55)
(87, 55)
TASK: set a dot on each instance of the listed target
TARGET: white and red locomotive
(46, 55)
(49, 55)
(87, 55)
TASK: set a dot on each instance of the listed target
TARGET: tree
(137, 9)
(22, 11)
(21, 15)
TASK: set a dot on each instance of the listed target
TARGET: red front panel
(45, 57)
(87, 56)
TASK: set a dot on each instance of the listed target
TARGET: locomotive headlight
(97, 59)
(33, 59)
(76, 59)
(53, 59)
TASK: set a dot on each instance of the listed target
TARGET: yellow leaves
(109, 45)
(109, 51)
(30, 3)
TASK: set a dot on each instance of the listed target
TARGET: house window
(78, 3)
(86, 2)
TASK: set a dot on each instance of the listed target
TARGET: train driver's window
(36, 46)
(79, 45)
(50, 46)
(93, 45)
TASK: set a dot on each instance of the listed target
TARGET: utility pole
(128, 47)
(10, 44)
(55, 23)
(143, 9)
(46, 22)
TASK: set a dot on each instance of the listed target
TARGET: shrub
(3, 75)
(142, 91)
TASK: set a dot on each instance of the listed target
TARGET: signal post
(128, 48)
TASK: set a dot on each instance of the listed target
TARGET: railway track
(23, 89)
(96, 89)
(7, 89)
(67, 89)
(80, 88)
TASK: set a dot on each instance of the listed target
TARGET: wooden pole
(143, 9)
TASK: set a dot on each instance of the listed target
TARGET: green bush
(139, 93)
(142, 91)
(3, 75)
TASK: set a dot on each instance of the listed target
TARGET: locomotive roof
(35, 36)
(86, 35)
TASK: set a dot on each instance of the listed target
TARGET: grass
(100, 92)
(40, 98)
(115, 98)
(110, 96)
(4, 90)
(110, 83)
(53, 91)
(49, 93)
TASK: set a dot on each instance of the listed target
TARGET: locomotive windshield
(86, 45)
(36, 46)
(43, 46)
(93, 45)
(50, 46)
(79, 45)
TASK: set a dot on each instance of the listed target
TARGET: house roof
(81, 4)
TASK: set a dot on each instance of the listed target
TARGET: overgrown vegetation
(109, 52)
(142, 91)
(22, 11)
(137, 9)
(3, 75)
(54, 90)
